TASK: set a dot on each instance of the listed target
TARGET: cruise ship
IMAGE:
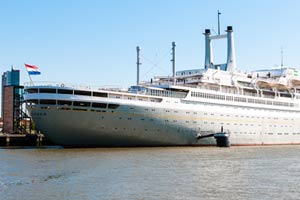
(257, 108)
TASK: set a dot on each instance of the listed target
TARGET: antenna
(219, 22)
(138, 63)
(281, 56)
(173, 62)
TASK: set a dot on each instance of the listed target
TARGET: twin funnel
(231, 64)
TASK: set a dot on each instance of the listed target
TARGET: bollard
(38, 141)
(7, 141)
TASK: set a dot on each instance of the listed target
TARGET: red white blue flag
(32, 69)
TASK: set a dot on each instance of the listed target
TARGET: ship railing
(75, 86)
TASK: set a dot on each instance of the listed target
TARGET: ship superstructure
(255, 108)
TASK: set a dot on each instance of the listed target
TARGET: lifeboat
(264, 83)
(270, 84)
(295, 82)
(281, 86)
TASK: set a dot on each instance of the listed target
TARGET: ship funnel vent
(231, 63)
(208, 50)
(230, 50)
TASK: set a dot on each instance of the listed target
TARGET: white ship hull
(172, 121)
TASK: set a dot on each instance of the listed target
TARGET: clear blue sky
(94, 41)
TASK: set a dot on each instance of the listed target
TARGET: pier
(19, 139)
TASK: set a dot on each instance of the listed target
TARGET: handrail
(75, 86)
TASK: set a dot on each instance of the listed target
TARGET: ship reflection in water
(266, 172)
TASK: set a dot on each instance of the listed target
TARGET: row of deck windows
(66, 91)
(74, 103)
(242, 99)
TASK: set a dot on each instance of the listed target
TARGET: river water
(266, 172)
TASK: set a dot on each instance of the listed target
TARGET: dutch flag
(32, 69)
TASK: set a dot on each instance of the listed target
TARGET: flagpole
(28, 74)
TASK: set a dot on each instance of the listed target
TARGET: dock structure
(17, 124)
(19, 139)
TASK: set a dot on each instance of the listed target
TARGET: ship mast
(173, 62)
(219, 22)
(138, 63)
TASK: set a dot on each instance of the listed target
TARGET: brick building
(11, 98)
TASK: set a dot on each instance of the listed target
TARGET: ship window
(33, 101)
(82, 103)
(63, 91)
(99, 105)
(32, 90)
(47, 90)
(113, 106)
(99, 94)
(285, 95)
(48, 101)
(65, 103)
(78, 109)
(82, 92)
(64, 108)
(45, 107)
